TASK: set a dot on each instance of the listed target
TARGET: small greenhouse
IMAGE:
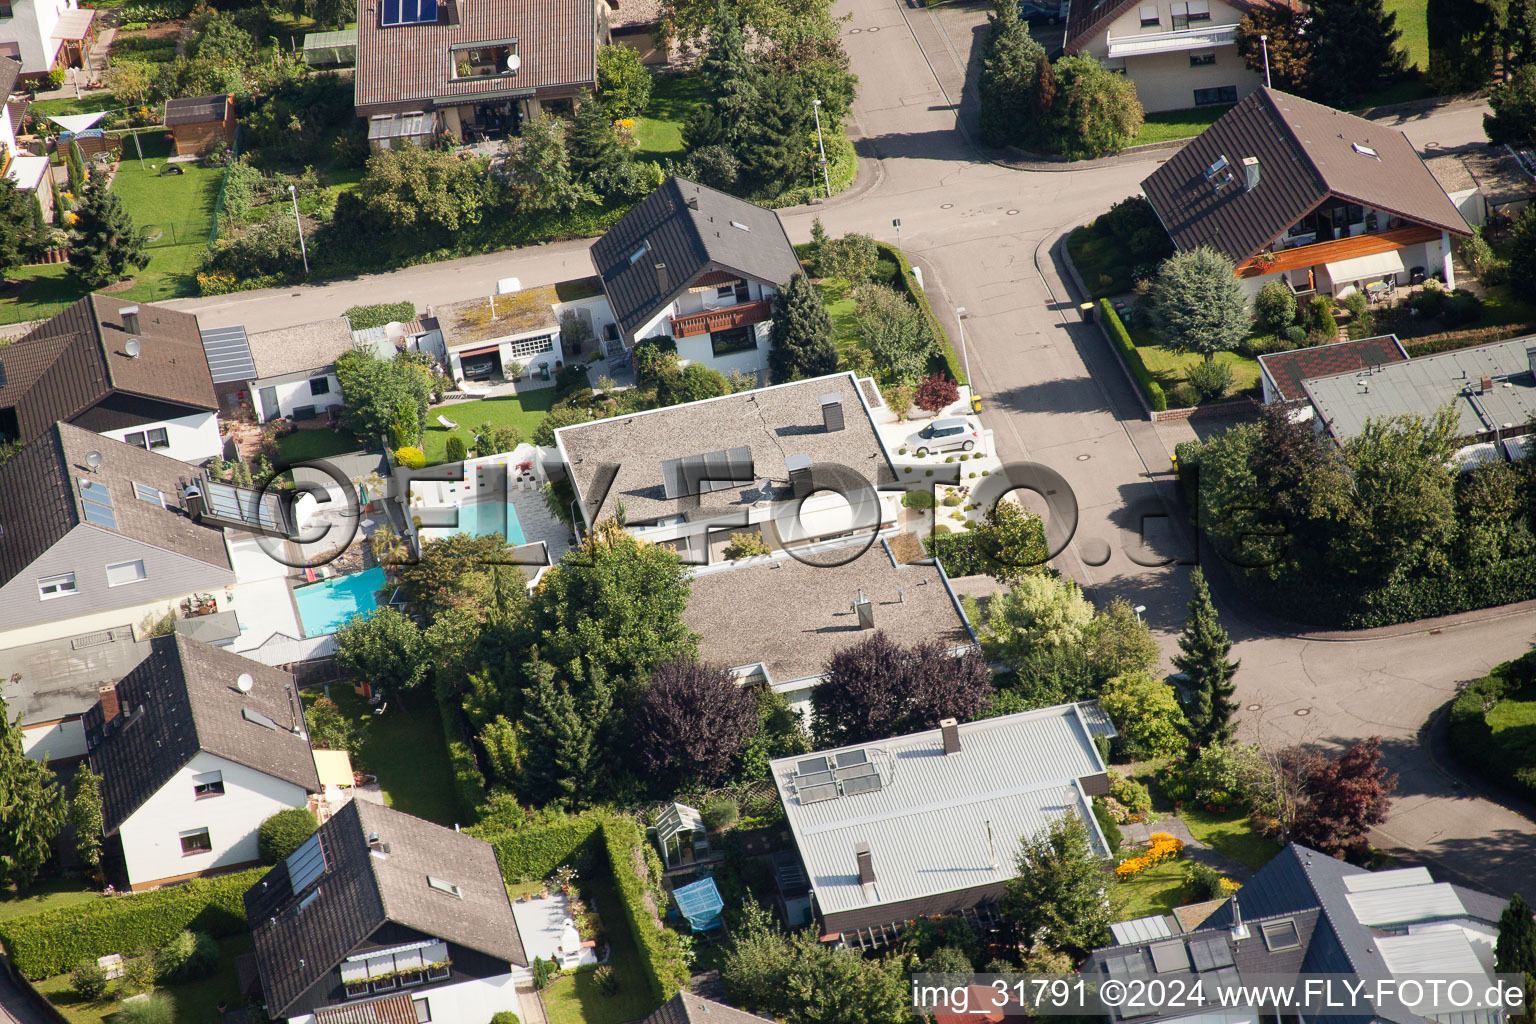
(330, 49)
(681, 834)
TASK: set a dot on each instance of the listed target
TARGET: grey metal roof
(1436, 952)
(926, 826)
(229, 354)
(1097, 719)
(1345, 401)
(692, 229)
(687, 1008)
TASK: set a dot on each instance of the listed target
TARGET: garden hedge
(56, 941)
(363, 317)
(534, 850)
(906, 282)
(1430, 344)
(1471, 737)
(666, 972)
(468, 782)
(1122, 339)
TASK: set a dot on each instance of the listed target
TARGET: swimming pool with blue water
(326, 606)
(481, 518)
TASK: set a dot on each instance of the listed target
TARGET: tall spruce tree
(1016, 83)
(594, 146)
(1464, 39)
(562, 763)
(727, 71)
(32, 808)
(74, 167)
(1354, 49)
(1515, 950)
(1204, 647)
(85, 815)
(105, 243)
(19, 224)
(802, 333)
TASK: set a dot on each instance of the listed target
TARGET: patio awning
(76, 122)
(700, 903)
(334, 767)
(1360, 268)
(74, 25)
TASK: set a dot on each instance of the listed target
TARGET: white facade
(31, 26)
(193, 438)
(54, 741)
(1180, 53)
(275, 397)
(466, 1001)
(153, 835)
(702, 348)
(531, 349)
(1342, 277)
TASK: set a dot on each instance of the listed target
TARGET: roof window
(645, 247)
(739, 224)
(1364, 150)
(443, 886)
(1280, 935)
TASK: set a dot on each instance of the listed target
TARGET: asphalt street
(987, 239)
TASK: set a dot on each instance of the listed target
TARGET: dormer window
(495, 58)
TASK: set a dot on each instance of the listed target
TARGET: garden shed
(681, 834)
(331, 49)
(195, 121)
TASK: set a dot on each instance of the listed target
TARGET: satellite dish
(133, 348)
(93, 459)
(514, 62)
(244, 682)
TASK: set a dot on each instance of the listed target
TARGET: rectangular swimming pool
(326, 606)
(480, 518)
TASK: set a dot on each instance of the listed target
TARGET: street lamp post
(293, 194)
(1264, 42)
(897, 225)
(820, 145)
(964, 359)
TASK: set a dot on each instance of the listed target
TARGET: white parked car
(958, 434)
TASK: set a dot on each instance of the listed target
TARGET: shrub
(190, 956)
(1211, 378)
(1131, 795)
(411, 457)
(363, 317)
(1275, 307)
(56, 941)
(1183, 395)
(154, 1010)
(1296, 334)
(505, 1017)
(543, 971)
(139, 974)
(283, 833)
(1486, 265)
(665, 967)
(1122, 340)
(1322, 316)
(607, 980)
(747, 545)
(1107, 824)
(89, 981)
(935, 392)
(720, 812)
(922, 499)
(1204, 881)
(1461, 307)
(1357, 304)
(455, 450)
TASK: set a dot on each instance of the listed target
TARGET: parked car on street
(958, 434)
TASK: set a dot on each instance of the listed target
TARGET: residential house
(471, 69)
(44, 34)
(293, 369)
(1180, 53)
(1293, 191)
(687, 1008)
(382, 916)
(931, 823)
(128, 372)
(196, 747)
(1305, 913)
(804, 612)
(197, 121)
(30, 173)
(503, 337)
(637, 24)
(1281, 373)
(699, 267)
(798, 464)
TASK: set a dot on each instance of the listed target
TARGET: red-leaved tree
(878, 688)
(935, 392)
(692, 721)
(1340, 797)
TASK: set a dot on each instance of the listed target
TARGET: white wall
(467, 1002)
(54, 741)
(151, 836)
(530, 363)
(294, 393)
(1166, 81)
(193, 438)
(32, 27)
(697, 350)
(7, 130)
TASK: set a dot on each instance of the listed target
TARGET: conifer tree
(727, 71)
(85, 815)
(74, 166)
(593, 144)
(802, 333)
(1204, 647)
(1016, 84)
(1354, 48)
(32, 808)
(1515, 950)
(560, 765)
(105, 243)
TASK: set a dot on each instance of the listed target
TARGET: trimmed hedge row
(1122, 339)
(57, 941)
(1472, 739)
(535, 850)
(1451, 340)
(468, 783)
(660, 948)
(363, 317)
(906, 282)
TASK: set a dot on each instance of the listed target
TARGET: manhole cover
(874, 28)
(1255, 707)
(854, 31)
(946, 206)
(1302, 712)
(1013, 213)
(1084, 458)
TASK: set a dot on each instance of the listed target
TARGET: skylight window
(645, 247)
(1281, 935)
(96, 503)
(443, 886)
(258, 718)
(152, 495)
(1364, 150)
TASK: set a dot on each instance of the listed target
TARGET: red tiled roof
(556, 40)
(396, 1009)
(1286, 370)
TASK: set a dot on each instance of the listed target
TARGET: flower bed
(1164, 847)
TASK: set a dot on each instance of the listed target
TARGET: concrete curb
(1076, 282)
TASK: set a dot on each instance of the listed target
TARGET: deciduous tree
(692, 722)
(105, 243)
(935, 392)
(539, 172)
(894, 332)
(623, 82)
(1095, 111)
(1342, 797)
(375, 390)
(1290, 48)
(1513, 105)
(1203, 650)
(385, 649)
(1119, 643)
(1036, 613)
(1463, 43)
(1148, 715)
(85, 815)
(878, 688)
(1058, 897)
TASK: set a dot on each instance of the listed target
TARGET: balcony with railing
(713, 320)
(1200, 37)
(1320, 253)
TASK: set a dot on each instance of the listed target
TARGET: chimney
(799, 467)
(130, 315)
(865, 611)
(661, 279)
(1239, 930)
(109, 705)
(693, 200)
(192, 498)
(1530, 356)
(376, 846)
(950, 729)
(866, 865)
(832, 413)
(1486, 384)
(1250, 173)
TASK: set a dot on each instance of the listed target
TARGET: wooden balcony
(1339, 249)
(714, 320)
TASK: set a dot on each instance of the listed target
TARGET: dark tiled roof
(70, 363)
(40, 498)
(186, 690)
(1306, 154)
(556, 39)
(9, 71)
(195, 109)
(1086, 17)
(690, 240)
(687, 1008)
(1286, 370)
(359, 892)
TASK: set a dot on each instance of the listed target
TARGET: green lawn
(659, 133)
(192, 1003)
(1513, 721)
(404, 747)
(576, 998)
(839, 305)
(1231, 834)
(45, 895)
(1170, 367)
(1411, 20)
(83, 105)
(1168, 125)
(1157, 890)
(307, 445)
(524, 411)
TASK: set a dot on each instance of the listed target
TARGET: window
(306, 901)
(737, 339)
(1364, 150)
(5, 11)
(725, 291)
(742, 292)
(1202, 58)
(1150, 17)
(158, 438)
(442, 886)
(96, 503)
(123, 573)
(1194, 10)
(195, 842)
(57, 586)
(319, 385)
(1222, 94)
(423, 1010)
(1281, 935)
(153, 495)
(533, 346)
(135, 439)
(208, 784)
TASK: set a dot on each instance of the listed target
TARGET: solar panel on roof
(96, 504)
(1169, 956)
(851, 757)
(812, 764)
(1210, 953)
(306, 864)
(862, 784)
(1124, 968)
(816, 794)
(814, 779)
(701, 474)
(228, 352)
(858, 771)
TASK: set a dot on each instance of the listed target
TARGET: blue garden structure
(700, 903)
